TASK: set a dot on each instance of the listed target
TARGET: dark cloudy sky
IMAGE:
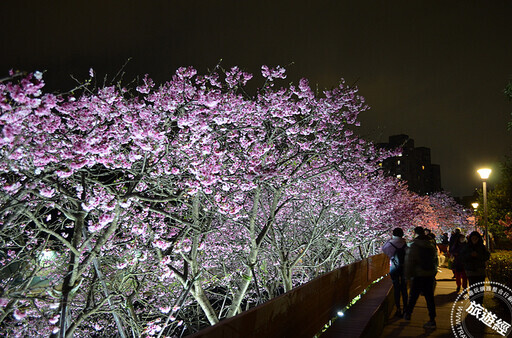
(434, 70)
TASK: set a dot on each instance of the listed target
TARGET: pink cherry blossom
(19, 315)
(171, 196)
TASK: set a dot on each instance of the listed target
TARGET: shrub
(500, 267)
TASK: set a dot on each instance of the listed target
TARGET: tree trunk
(204, 303)
(237, 300)
(286, 275)
(106, 292)
(72, 276)
(256, 240)
(197, 288)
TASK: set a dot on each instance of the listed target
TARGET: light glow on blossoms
(19, 315)
(175, 198)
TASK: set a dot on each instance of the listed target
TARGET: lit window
(398, 176)
(422, 167)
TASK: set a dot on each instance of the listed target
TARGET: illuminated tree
(123, 210)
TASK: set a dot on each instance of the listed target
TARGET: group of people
(417, 262)
(468, 256)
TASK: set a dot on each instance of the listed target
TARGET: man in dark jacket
(421, 268)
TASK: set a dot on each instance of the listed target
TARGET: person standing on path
(421, 268)
(474, 255)
(454, 239)
(458, 266)
(444, 239)
(396, 249)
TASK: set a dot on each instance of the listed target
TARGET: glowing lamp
(484, 173)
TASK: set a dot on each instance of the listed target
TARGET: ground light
(341, 313)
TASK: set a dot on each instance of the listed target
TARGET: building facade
(414, 165)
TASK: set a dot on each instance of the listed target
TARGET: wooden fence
(303, 311)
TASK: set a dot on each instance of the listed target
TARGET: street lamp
(484, 175)
(475, 207)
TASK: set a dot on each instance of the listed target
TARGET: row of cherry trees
(159, 210)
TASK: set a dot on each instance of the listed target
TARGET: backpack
(398, 258)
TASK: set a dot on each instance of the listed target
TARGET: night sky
(434, 70)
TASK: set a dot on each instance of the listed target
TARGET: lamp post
(475, 207)
(484, 175)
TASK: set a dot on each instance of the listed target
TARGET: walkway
(444, 297)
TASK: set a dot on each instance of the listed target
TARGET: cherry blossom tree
(91, 161)
(126, 210)
(440, 213)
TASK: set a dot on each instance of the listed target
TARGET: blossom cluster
(161, 200)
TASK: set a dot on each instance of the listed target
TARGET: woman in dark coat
(474, 255)
(458, 265)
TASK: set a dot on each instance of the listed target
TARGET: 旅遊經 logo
(471, 318)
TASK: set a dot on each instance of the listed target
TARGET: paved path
(445, 296)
